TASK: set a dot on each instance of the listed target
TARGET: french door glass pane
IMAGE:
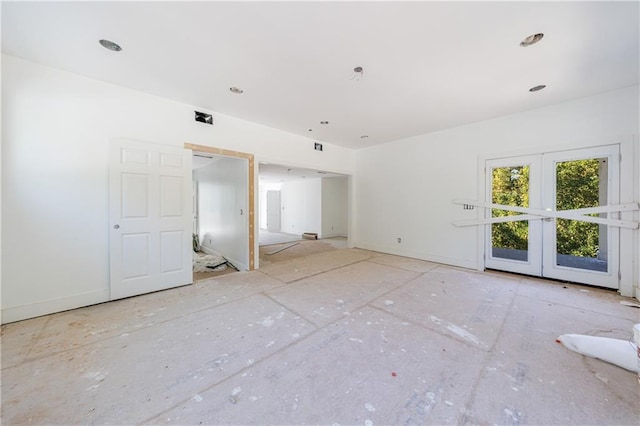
(510, 186)
(581, 184)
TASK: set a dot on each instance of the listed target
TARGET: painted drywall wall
(301, 203)
(56, 128)
(335, 201)
(222, 209)
(404, 189)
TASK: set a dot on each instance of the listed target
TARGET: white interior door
(555, 192)
(150, 217)
(273, 211)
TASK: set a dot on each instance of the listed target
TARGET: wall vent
(203, 117)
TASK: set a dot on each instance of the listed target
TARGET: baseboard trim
(331, 236)
(469, 264)
(51, 306)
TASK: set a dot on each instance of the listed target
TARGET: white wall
(55, 132)
(335, 201)
(222, 209)
(405, 188)
(301, 206)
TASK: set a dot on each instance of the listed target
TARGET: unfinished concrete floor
(339, 337)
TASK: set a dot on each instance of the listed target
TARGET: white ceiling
(427, 65)
(268, 172)
(275, 173)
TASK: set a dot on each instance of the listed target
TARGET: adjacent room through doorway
(298, 201)
(220, 223)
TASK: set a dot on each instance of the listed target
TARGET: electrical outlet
(399, 240)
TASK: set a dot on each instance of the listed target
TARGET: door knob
(116, 226)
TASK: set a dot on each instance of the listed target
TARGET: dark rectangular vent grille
(203, 117)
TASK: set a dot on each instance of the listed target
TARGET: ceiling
(426, 65)
(275, 173)
(267, 172)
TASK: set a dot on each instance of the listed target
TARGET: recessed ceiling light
(364, 136)
(537, 88)
(108, 44)
(358, 73)
(532, 39)
(324, 122)
(236, 90)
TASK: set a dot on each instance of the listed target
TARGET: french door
(562, 222)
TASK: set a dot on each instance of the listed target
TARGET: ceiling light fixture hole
(358, 73)
(537, 88)
(532, 39)
(108, 44)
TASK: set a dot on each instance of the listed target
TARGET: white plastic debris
(622, 353)
(208, 262)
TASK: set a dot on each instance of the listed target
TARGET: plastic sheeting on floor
(203, 262)
(622, 353)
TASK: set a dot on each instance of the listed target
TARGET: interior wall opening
(298, 204)
(223, 211)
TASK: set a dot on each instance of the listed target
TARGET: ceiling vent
(203, 117)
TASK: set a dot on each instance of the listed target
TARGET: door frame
(250, 190)
(629, 172)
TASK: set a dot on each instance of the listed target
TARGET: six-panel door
(150, 217)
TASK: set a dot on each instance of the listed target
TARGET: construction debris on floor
(345, 336)
(623, 353)
(279, 248)
(203, 262)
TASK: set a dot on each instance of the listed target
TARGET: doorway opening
(223, 206)
(296, 201)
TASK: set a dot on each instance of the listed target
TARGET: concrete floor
(341, 337)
